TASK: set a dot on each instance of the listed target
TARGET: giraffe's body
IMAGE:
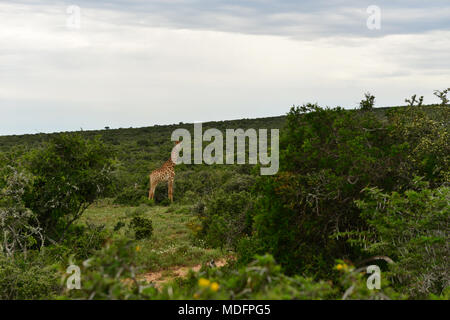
(165, 173)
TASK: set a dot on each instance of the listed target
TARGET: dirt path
(159, 279)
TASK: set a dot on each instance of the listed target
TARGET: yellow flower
(138, 248)
(202, 282)
(196, 296)
(215, 286)
(343, 267)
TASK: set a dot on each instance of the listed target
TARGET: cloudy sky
(137, 63)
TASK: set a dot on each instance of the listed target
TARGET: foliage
(135, 161)
(27, 277)
(412, 102)
(327, 157)
(69, 174)
(263, 279)
(423, 134)
(103, 275)
(109, 275)
(412, 228)
(131, 196)
(19, 227)
(368, 103)
(442, 95)
(225, 218)
(142, 227)
(83, 240)
(345, 190)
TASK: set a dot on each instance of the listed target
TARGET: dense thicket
(306, 214)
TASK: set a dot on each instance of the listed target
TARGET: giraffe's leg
(170, 182)
(150, 189)
(151, 193)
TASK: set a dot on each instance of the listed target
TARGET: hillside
(140, 150)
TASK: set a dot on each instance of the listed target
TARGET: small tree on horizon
(442, 95)
(367, 103)
(411, 102)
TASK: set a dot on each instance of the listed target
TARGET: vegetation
(355, 187)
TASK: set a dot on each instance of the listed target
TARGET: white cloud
(121, 72)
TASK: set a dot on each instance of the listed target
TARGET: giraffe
(165, 173)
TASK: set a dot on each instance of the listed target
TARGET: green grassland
(171, 244)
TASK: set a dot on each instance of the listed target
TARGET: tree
(327, 157)
(69, 174)
(305, 215)
(442, 95)
(368, 103)
(411, 102)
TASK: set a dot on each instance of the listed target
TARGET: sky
(71, 65)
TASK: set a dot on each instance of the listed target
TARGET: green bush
(411, 228)
(131, 196)
(83, 240)
(423, 133)
(27, 277)
(19, 226)
(69, 174)
(327, 157)
(108, 274)
(225, 218)
(368, 102)
(142, 227)
(263, 279)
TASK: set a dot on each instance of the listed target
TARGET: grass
(172, 244)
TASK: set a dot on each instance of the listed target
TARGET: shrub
(327, 157)
(131, 196)
(108, 274)
(27, 278)
(69, 174)
(239, 182)
(410, 227)
(414, 102)
(368, 103)
(442, 95)
(83, 240)
(119, 225)
(19, 226)
(423, 134)
(225, 218)
(263, 279)
(142, 227)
